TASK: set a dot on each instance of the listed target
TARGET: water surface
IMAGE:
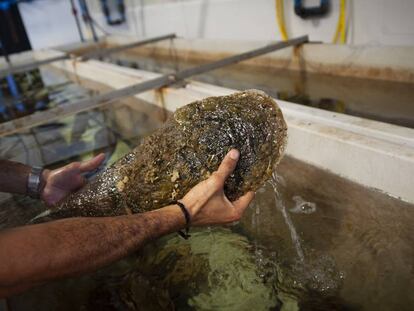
(380, 100)
(356, 244)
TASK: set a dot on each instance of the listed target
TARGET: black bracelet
(187, 216)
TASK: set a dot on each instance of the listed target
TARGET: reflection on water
(215, 269)
(355, 244)
(302, 206)
(385, 101)
(112, 129)
(24, 93)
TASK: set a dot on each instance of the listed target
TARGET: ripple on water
(302, 206)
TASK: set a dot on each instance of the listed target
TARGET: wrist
(169, 219)
(192, 206)
(187, 217)
(43, 182)
(34, 182)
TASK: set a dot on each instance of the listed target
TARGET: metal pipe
(100, 52)
(30, 66)
(105, 52)
(78, 25)
(238, 58)
(162, 81)
(87, 18)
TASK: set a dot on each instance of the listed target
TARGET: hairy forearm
(38, 253)
(13, 176)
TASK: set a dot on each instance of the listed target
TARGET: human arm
(35, 254)
(13, 176)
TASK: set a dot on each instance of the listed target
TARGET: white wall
(49, 23)
(372, 22)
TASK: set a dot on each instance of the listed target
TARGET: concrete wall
(371, 22)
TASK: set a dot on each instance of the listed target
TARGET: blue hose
(3, 108)
(15, 92)
(6, 4)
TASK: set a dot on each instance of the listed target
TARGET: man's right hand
(207, 203)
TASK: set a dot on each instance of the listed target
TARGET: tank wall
(351, 147)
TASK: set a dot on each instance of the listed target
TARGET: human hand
(61, 182)
(207, 203)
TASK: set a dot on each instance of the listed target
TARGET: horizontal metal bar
(116, 49)
(38, 118)
(26, 67)
(239, 57)
(93, 54)
(45, 116)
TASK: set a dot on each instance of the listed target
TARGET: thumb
(228, 164)
(243, 202)
(92, 164)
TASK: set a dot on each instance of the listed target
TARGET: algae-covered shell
(186, 150)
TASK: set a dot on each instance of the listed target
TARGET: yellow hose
(340, 32)
(281, 19)
(343, 21)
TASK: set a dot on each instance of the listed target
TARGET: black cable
(100, 27)
(87, 18)
(78, 25)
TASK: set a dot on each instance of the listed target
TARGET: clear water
(319, 243)
(24, 93)
(277, 182)
(386, 101)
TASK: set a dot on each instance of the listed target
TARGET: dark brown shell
(185, 151)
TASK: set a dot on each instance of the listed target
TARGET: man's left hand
(62, 181)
